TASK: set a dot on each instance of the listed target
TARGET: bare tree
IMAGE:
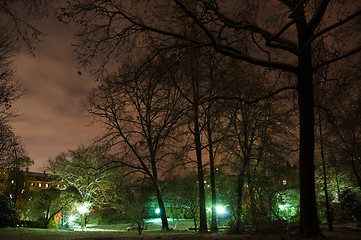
(18, 22)
(347, 126)
(140, 112)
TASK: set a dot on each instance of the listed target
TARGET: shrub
(350, 203)
(8, 215)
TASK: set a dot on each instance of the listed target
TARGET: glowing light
(157, 210)
(282, 207)
(83, 207)
(220, 209)
(72, 218)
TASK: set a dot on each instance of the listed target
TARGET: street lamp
(83, 208)
(220, 209)
(157, 210)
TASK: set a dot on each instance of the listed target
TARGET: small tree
(77, 168)
(46, 203)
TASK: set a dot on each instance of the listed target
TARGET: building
(34, 180)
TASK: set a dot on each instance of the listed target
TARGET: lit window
(46, 185)
(284, 182)
(39, 184)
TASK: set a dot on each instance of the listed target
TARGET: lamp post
(83, 208)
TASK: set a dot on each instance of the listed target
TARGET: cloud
(51, 120)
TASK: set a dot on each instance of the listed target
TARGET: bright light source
(72, 218)
(220, 209)
(83, 207)
(282, 207)
(157, 210)
(209, 209)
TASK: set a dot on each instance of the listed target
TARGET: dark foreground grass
(341, 232)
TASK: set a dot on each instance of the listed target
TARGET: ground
(347, 231)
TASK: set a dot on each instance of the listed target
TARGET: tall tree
(273, 34)
(140, 112)
(347, 129)
(198, 76)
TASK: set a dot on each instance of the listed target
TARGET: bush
(8, 215)
(350, 203)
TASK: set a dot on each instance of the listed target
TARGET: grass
(342, 232)
(93, 231)
(57, 234)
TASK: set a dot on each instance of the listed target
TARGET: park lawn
(341, 232)
(57, 234)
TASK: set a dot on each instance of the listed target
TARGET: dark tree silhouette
(140, 112)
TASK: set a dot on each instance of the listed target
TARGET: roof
(36, 176)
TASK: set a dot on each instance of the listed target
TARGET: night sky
(51, 120)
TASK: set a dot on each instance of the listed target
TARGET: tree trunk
(195, 223)
(197, 141)
(328, 209)
(308, 208)
(213, 180)
(252, 202)
(240, 183)
(202, 194)
(163, 214)
(355, 171)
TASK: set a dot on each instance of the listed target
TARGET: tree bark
(240, 183)
(308, 218)
(163, 214)
(195, 78)
(213, 180)
(202, 194)
(308, 209)
(328, 210)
